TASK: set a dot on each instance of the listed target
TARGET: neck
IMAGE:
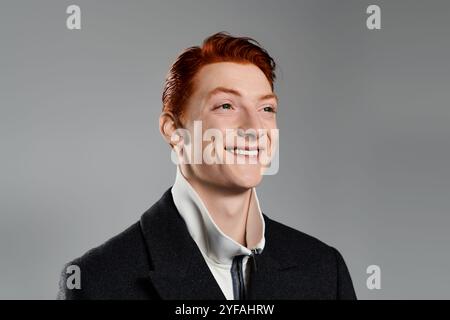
(228, 208)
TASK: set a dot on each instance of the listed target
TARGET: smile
(243, 151)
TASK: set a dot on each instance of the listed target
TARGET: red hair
(220, 47)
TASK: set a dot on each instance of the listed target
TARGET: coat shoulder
(289, 237)
(109, 267)
(322, 264)
(124, 248)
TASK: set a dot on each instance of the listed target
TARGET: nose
(250, 120)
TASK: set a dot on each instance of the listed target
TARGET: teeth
(251, 153)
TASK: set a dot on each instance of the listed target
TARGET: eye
(269, 108)
(225, 106)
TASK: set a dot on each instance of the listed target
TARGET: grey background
(364, 126)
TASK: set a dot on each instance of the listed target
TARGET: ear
(167, 127)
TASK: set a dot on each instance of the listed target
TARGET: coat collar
(178, 269)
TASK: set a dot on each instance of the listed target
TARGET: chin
(245, 176)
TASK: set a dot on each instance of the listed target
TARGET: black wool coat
(156, 258)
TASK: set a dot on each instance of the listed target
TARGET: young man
(207, 238)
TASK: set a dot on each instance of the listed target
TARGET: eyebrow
(237, 93)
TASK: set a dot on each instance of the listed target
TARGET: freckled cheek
(215, 127)
(272, 132)
(269, 124)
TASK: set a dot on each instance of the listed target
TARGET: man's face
(237, 100)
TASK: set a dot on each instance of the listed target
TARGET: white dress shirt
(217, 248)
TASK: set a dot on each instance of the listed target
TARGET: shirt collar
(212, 242)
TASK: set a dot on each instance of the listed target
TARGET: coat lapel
(273, 274)
(178, 271)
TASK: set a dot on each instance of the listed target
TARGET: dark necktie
(237, 275)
